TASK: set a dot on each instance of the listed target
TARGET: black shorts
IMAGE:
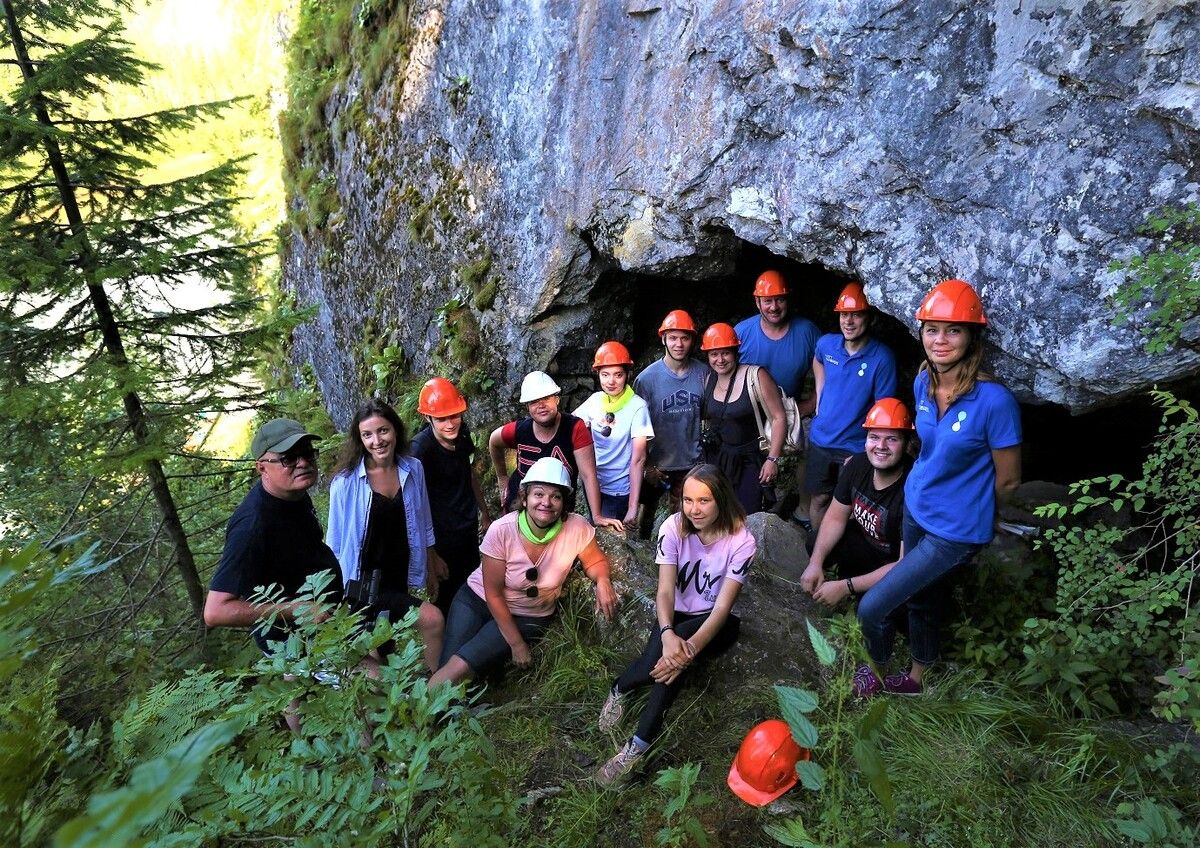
(824, 466)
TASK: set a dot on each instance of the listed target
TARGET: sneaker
(620, 765)
(613, 709)
(901, 684)
(866, 683)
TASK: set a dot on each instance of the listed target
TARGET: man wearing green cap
(273, 536)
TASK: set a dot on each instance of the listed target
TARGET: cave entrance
(1059, 447)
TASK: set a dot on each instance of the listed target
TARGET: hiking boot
(613, 709)
(901, 684)
(620, 765)
(866, 683)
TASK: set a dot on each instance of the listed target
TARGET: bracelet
(850, 586)
(773, 459)
(665, 628)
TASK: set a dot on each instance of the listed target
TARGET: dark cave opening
(1059, 447)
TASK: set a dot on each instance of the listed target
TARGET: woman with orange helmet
(969, 463)
(621, 429)
(447, 453)
(704, 556)
(728, 424)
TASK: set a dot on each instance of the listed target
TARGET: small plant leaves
(821, 647)
(811, 775)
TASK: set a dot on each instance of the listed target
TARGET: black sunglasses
(531, 574)
(289, 459)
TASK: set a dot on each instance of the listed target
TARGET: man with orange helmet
(672, 388)
(852, 371)
(861, 534)
(784, 347)
(456, 501)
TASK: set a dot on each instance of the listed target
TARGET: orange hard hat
(888, 414)
(611, 353)
(770, 284)
(678, 320)
(719, 336)
(440, 399)
(765, 765)
(852, 299)
(952, 300)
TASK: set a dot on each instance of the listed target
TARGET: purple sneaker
(901, 684)
(866, 683)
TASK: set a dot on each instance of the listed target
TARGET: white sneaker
(620, 765)
(613, 709)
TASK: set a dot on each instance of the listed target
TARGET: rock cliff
(496, 185)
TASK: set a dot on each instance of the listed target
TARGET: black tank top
(386, 546)
(734, 421)
(530, 449)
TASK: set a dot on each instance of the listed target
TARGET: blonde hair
(970, 367)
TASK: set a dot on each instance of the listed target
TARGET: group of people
(895, 502)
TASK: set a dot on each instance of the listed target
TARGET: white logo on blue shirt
(862, 369)
(957, 425)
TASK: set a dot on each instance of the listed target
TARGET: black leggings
(662, 695)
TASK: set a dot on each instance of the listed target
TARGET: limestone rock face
(1019, 145)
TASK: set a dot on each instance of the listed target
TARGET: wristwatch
(773, 459)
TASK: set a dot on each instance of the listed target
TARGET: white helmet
(537, 385)
(548, 470)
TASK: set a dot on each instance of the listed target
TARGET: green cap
(278, 435)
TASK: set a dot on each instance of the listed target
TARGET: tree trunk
(185, 563)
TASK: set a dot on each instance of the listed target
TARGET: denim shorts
(474, 637)
(823, 468)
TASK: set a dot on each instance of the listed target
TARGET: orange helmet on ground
(765, 765)
(440, 399)
(719, 336)
(770, 284)
(611, 353)
(888, 414)
(677, 320)
(852, 299)
(952, 300)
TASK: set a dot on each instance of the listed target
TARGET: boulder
(508, 185)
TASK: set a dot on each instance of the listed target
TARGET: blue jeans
(614, 506)
(918, 582)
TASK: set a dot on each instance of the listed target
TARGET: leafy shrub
(1123, 604)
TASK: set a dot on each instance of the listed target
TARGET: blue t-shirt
(674, 404)
(853, 382)
(787, 360)
(951, 491)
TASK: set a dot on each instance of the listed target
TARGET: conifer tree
(126, 309)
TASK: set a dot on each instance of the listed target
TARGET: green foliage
(863, 737)
(1149, 823)
(1161, 292)
(1123, 608)
(681, 829)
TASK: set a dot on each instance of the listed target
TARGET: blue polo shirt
(951, 491)
(853, 382)
(787, 360)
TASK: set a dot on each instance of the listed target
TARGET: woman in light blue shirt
(380, 526)
(970, 462)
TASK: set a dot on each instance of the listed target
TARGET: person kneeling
(704, 554)
(510, 600)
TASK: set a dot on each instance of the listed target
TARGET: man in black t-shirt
(273, 537)
(446, 452)
(862, 532)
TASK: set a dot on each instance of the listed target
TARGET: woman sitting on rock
(729, 428)
(380, 526)
(621, 428)
(510, 600)
(970, 462)
(704, 554)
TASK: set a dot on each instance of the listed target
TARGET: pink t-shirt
(703, 569)
(503, 542)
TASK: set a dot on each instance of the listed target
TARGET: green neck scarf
(527, 531)
(615, 404)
